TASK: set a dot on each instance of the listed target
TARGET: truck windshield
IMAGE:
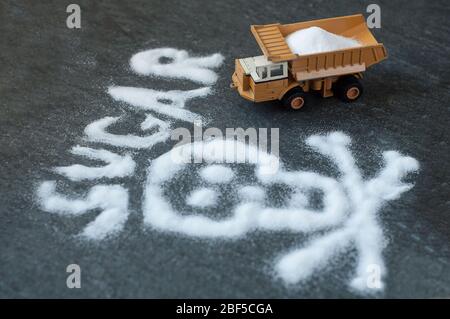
(262, 72)
(276, 70)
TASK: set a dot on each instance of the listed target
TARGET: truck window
(262, 72)
(276, 70)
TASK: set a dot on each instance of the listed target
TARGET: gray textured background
(53, 82)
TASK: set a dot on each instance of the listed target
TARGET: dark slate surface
(52, 84)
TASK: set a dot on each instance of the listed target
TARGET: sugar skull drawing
(349, 211)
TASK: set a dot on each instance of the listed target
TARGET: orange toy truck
(280, 74)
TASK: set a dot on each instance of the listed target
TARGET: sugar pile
(315, 40)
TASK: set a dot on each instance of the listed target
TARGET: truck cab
(258, 79)
(261, 69)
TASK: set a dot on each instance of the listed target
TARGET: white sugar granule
(217, 174)
(112, 200)
(118, 165)
(170, 103)
(97, 132)
(202, 197)
(181, 66)
(315, 40)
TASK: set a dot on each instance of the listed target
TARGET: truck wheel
(348, 89)
(294, 99)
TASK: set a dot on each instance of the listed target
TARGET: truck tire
(348, 89)
(294, 99)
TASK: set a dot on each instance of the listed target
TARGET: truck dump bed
(271, 39)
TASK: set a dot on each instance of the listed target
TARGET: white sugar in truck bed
(315, 40)
(321, 48)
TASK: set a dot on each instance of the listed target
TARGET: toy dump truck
(280, 74)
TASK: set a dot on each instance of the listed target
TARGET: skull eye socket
(165, 60)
